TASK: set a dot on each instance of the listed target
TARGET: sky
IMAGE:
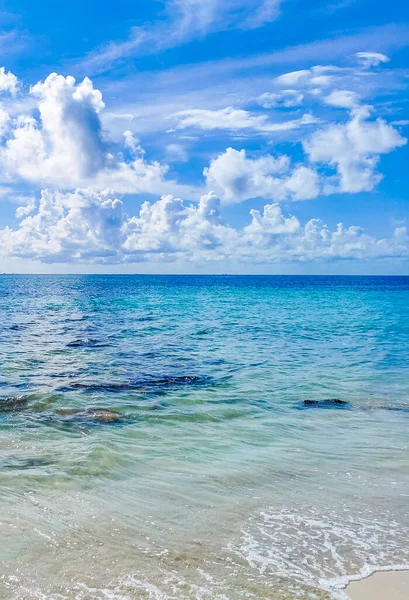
(204, 136)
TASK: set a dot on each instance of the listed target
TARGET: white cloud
(133, 144)
(353, 149)
(8, 82)
(235, 119)
(235, 177)
(66, 146)
(270, 222)
(91, 226)
(402, 122)
(285, 98)
(371, 59)
(23, 211)
(4, 121)
(302, 183)
(85, 225)
(170, 227)
(317, 76)
(342, 99)
(292, 78)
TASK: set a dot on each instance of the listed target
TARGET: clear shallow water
(215, 480)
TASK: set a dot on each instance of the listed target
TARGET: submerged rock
(105, 387)
(326, 403)
(25, 403)
(22, 463)
(67, 412)
(40, 413)
(13, 403)
(174, 380)
(86, 343)
(399, 408)
(104, 415)
(101, 415)
(139, 385)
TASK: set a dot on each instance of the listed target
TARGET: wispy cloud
(181, 22)
(372, 59)
(237, 119)
(14, 42)
(233, 75)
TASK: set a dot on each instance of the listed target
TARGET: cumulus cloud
(371, 59)
(353, 149)
(84, 225)
(8, 82)
(170, 227)
(235, 119)
(23, 211)
(92, 226)
(270, 222)
(236, 177)
(4, 121)
(65, 146)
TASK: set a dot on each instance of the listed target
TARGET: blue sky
(204, 136)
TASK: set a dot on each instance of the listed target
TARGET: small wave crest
(321, 550)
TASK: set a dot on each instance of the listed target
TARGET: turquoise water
(155, 441)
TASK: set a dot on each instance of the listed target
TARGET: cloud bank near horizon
(92, 226)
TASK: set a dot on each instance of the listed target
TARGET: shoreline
(382, 584)
(390, 582)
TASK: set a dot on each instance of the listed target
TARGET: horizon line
(208, 274)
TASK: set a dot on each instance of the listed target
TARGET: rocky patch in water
(99, 415)
(338, 403)
(397, 408)
(39, 412)
(87, 343)
(104, 387)
(20, 463)
(13, 403)
(326, 403)
(85, 420)
(142, 385)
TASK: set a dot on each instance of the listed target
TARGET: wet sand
(390, 585)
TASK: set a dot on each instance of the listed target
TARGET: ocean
(207, 438)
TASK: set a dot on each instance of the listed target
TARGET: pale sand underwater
(390, 585)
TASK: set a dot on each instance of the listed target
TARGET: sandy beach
(390, 585)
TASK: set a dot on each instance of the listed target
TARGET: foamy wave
(323, 551)
(167, 586)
